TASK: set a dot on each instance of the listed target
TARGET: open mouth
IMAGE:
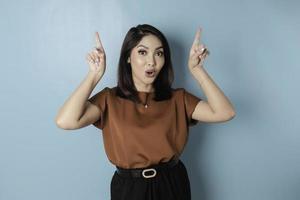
(150, 73)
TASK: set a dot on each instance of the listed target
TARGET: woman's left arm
(217, 108)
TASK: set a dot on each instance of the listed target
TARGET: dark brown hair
(163, 82)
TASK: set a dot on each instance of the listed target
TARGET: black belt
(143, 172)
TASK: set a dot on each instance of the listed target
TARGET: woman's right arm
(77, 111)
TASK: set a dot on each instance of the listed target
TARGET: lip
(147, 75)
(150, 70)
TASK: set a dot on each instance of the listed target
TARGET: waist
(147, 172)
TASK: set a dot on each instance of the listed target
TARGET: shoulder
(181, 91)
(112, 91)
(108, 90)
(186, 95)
(178, 91)
(101, 94)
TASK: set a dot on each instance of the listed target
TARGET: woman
(144, 121)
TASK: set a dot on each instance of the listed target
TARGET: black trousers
(168, 184)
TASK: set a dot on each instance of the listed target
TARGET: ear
(128, 60)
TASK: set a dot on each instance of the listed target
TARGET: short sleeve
(100, 100)
(190, 103)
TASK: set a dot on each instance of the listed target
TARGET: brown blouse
(137, 136)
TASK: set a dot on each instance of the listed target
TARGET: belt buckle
(149, 176)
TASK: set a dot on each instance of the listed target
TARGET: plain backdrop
(254, 59)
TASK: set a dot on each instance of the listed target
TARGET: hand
(97, 58)
(198, 52)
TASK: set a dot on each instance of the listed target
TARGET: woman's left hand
(198, 52)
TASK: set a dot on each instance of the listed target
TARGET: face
(147, 55)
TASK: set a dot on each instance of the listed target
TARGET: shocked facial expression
(146, 59)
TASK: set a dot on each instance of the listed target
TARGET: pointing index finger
(197, 39)
(98, 42)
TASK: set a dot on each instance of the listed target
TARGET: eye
(161, 53)
(140, 51)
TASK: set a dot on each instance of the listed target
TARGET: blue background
(254, 59)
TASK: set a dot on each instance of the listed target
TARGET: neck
(144, 87)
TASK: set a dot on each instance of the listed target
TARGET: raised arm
(77, 112)
(218, 108)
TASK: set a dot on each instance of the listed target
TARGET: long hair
(163, 81)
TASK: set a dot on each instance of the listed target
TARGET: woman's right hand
(97, 58)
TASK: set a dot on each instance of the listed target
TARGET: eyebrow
(148, 48)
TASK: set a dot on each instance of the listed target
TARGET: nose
(151, 61)
(150, 64)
